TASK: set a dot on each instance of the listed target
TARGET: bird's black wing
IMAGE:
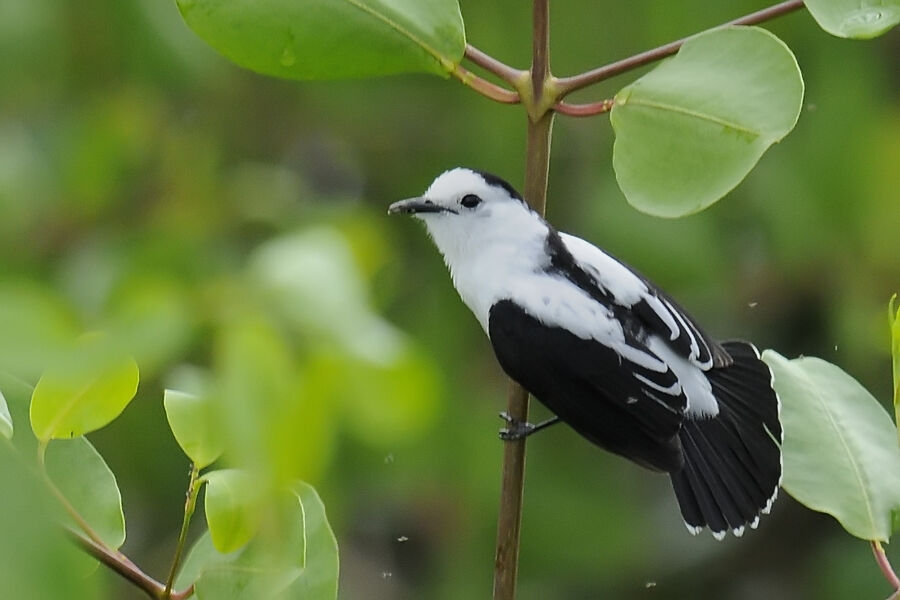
(616, 284)
(619, 405)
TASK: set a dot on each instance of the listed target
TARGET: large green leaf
(840, 447)
(233, 508)
(84, 391)
(194, 425)
(327, 39)
(860, 19)
(319, 579)
(690, 130)
(6, 423)
(87, 483)
(241, 575)
(894, 320)
(294, 555)
(36, 560)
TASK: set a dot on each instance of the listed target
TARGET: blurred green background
(151, 189)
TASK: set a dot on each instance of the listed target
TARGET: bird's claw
(516, 429)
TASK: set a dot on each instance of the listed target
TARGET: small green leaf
(319, 579)
(87, 483)
(855, 18)
(233, 508)
(6, 424)
(329, 39)
(193, 423)
(690, 130)
(840, 448)
(84, 391)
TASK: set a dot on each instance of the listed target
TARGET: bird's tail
(732, 462)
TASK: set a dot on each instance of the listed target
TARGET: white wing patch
(697, 389)
(613, 276)
(629, 290)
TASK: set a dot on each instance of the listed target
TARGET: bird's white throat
(489, 253)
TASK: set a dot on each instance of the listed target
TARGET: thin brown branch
(490, 64)
(119, 563)
(885, 565)
(585, 110)
(512, 486)
(577, 82)
(537, 166)
(485, 87)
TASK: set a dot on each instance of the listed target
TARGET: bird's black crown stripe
(492, 179)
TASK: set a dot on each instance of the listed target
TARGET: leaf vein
(693, 113)
(856, 470)
(442, 60)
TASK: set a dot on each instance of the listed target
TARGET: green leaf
(202, 555)
(6, 424)
(840, 447)
(273, 424)
(84, 391)
(319, 579)
(383, 405)
(855, 18)
(294, 555)
(894, 320)
(233, 508)
(36, 324)
(690, 130)
(36, 561)
(193, 423)
(18, 400)
(313, 282)
(256, 572)
(87, 483)
(328, 39)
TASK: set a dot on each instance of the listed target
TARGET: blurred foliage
(224, 226)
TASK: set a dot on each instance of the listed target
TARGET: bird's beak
(412, 206)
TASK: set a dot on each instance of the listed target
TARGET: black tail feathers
(732, 461)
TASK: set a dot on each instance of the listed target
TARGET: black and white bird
(609, 353)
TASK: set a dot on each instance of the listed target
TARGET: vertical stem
(189, 503)
(540, 125)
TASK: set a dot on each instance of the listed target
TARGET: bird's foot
(515, 429)
(519, 430)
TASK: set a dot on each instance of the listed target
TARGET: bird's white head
(468, 211)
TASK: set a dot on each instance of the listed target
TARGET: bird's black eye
(470, 201)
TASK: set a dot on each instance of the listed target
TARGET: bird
(609, 353)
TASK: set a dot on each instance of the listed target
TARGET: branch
(577, 82)
(122, 565)
(537, 164)
(490, 64)
(584, 110)
(485, 87)
(885, 566)
(119, 563)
